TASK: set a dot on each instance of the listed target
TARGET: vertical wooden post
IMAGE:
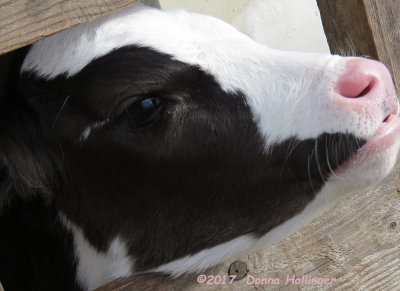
(365, 28)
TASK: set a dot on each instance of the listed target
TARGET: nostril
(388, 118)
(366, 89)
(366, 86)
(355, 85)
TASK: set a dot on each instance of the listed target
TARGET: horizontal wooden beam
(23, 22)
(364, 28)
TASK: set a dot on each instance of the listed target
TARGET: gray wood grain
(364, 28)
(23, 22)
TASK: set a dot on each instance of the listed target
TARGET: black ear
(26, 163)
(27, 166)
(30, 159)
(25, 159)
(4, 183)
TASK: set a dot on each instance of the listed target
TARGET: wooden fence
(357, 242)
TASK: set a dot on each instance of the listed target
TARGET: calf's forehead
(192, 38)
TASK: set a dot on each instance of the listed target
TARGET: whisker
(328, 139)
(309, 172)
(291, 148)
(317, 161)
(59, 112)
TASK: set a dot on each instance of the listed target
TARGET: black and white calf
(169, 142)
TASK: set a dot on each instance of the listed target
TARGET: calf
(169, 142)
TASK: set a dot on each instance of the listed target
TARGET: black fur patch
(36, 253)
(197, 176)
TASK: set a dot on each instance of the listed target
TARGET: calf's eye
(145, 110)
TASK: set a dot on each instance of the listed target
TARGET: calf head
(169, 141)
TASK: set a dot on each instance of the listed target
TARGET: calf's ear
(25, 171)
(24, 157)
(3, 183)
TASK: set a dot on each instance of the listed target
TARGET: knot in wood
(238, 269)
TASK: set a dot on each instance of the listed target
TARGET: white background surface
(283, 24)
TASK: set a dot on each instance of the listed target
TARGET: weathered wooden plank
(347, 28)
(357, 243)
(384, 17)
(364, 28)
(25, 21)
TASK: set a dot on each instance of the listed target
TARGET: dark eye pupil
(150, 103)
(144, 111)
